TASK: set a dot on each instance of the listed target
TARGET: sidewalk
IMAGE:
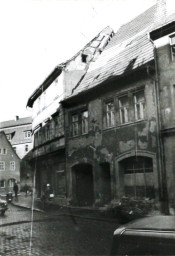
(56, 210)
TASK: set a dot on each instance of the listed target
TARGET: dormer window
(84, 58)
(9, 136)
(172, 45)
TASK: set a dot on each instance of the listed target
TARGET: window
(84, 58)
(79, 123)
(138, 165)
(172, 45)
(9, 136)
(12, 165)
(109, 114)
(39, 137)
(26, 148)
(11, 183)
(84, 122)
(139, 105)
(132, 107)
(124, 109)
(2, 183)
(4, 151)
(138, 177)
(27, 134)
(74, 124)
(47, 132)
(2, 165)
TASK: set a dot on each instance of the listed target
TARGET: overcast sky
(37, 35)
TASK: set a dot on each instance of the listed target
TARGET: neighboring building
(119, 120)
(48, 116)
(19, 134)
(9, 165)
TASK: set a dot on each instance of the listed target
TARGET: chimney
(16, 118)
(161, 11)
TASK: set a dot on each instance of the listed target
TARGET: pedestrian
(15, 188)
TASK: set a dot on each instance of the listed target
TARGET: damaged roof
(93, 46)
(129, 49)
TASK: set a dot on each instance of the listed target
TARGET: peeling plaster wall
(105, 145)
(169, 144)
(166, 80)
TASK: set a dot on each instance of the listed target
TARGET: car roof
(163, 223)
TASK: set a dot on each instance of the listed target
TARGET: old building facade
(119, 119)
(49, 160)
(19, 134)
(112, 142)
(114, 106)
(9, 165)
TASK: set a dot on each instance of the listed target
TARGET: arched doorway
(83, 184)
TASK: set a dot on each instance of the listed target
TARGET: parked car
(3, 206)
(145, 236)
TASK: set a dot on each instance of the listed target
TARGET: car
(3, 206)
(145, 236)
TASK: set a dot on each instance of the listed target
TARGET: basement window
(172, 45)
(84, 58)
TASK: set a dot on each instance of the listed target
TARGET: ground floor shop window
(138, 179)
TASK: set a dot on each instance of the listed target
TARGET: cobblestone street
(17, 214)
(61, 235)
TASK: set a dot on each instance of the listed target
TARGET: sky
(37, 35)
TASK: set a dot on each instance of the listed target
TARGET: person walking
(15, 188)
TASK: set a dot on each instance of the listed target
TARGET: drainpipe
(163, 190)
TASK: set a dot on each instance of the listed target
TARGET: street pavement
(17, 214)
(53, 234)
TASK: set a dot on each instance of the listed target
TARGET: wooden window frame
(12, 165)
(139, 106)
(109, 114)
(79, 123)
(2, 163)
